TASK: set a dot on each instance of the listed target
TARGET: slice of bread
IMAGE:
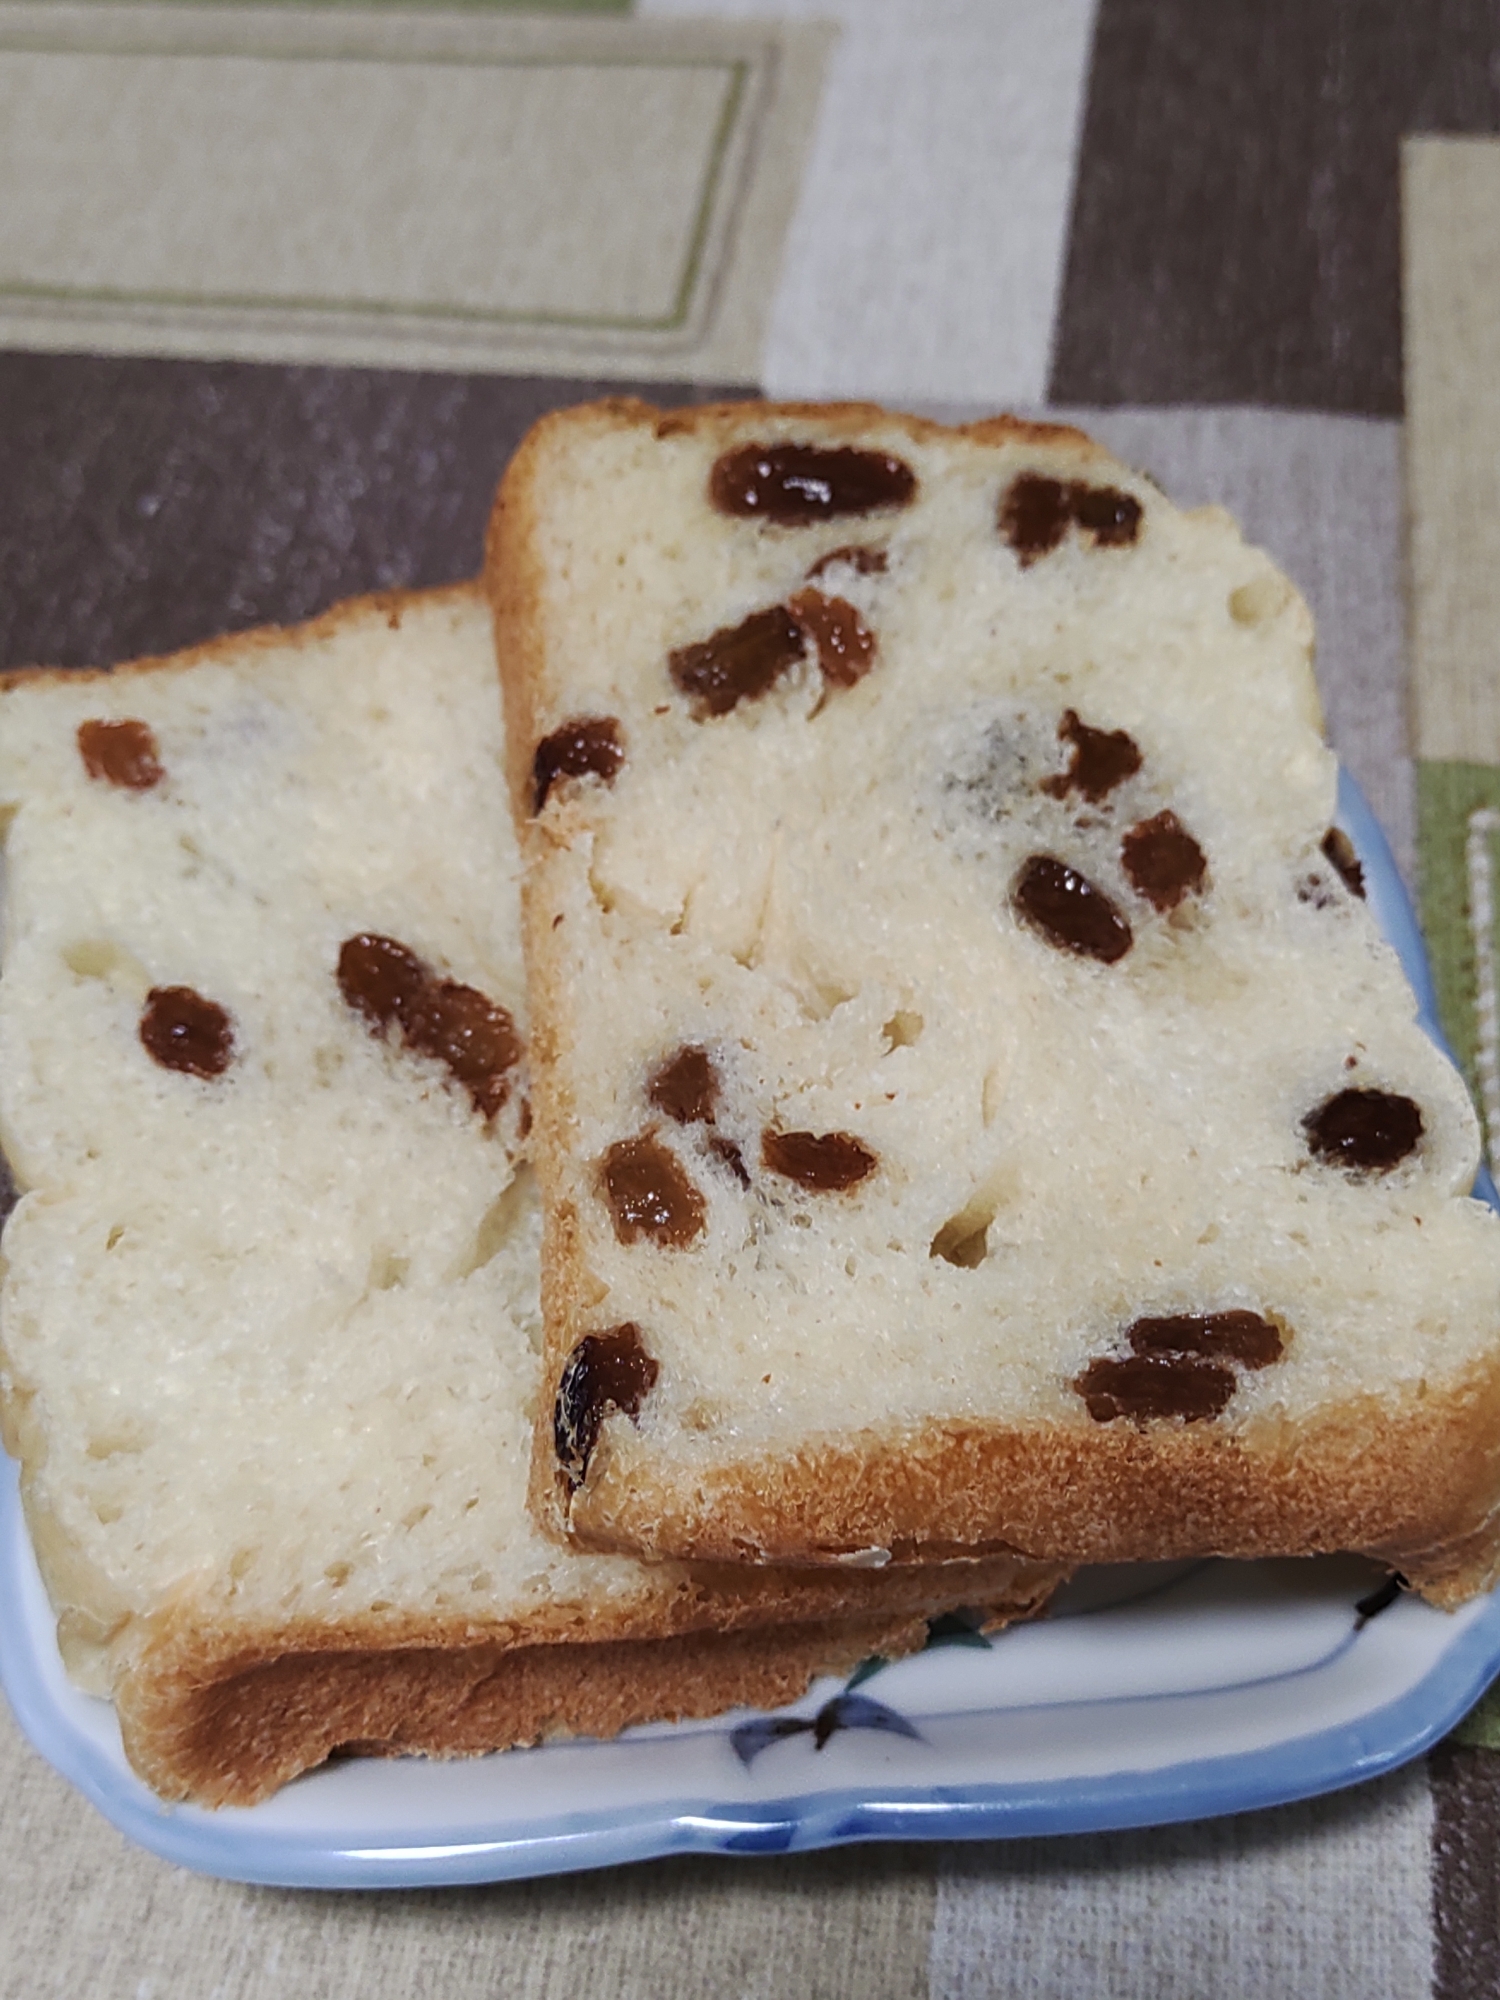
(971, 1082)
(269, 1318)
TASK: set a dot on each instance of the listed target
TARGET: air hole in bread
(500, 1225)
(1259, 600)
(903, 1030)
(115, 1237)
(338, 1574)
(107, 1512)
(964, 1239)
(387, 1270)
(123, 1441)
(99, 958)
(415, 1516)
(819, 996)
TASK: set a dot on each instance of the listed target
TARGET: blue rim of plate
(248, 1845)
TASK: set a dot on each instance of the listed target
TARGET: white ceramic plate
(1150, 1694)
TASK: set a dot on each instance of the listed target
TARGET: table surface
(1254, 246)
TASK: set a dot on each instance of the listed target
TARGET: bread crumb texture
(269, 1312)
(1033, 924)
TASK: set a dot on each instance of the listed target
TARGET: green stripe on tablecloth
(1458, 850)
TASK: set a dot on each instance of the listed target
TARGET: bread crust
(232, 1731)
(223, 1714)
(1415, 1484)
(1417, 1488)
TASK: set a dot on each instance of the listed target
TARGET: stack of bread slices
(269, 1311)
(875, 1084)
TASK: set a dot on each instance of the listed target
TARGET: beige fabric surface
(1326, 1898)
(425, 189)
(1451, 217)
(84, 1913)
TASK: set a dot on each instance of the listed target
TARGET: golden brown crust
(224, 1715)
(231, 1733)
(1415, 1485)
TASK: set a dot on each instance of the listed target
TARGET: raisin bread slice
(974, 1104)
(269, 1315)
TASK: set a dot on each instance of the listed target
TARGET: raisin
(587, 747)
(1339, 849)
(1034, 515)
(1240, 1337)
(182, 1030)
(461, 1027)
(1069, 911)
(865, 561)
(605, 1371)
(379, 978)
(466, 1031)
(649, 1194)
(1155, 1385)
(1364, 1131)
(823, 1162)
(686, 1087)
(846, 645)
(728, 1154)
(1111, 517)
(739, 662)
(1101, 759)
(1163, 861)
(796, 483)
(121, 753)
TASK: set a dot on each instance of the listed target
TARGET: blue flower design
(845, 1711)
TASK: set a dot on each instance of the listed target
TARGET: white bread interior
(816, 888)
(270, 1337)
